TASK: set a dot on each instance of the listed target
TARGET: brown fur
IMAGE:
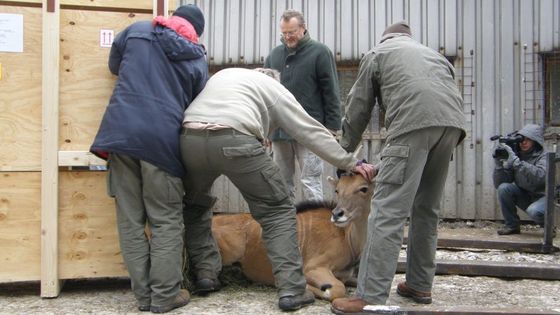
(330, 253)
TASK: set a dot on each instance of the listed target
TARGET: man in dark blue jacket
(161, 68)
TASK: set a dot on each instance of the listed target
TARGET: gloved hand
(498, 159)
(512, 158)
(499, 163)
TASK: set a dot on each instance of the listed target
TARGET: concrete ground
(113, 296)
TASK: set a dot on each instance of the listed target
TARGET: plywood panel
(20, 226)
(88, 239)
(20, 101)
(85, 81)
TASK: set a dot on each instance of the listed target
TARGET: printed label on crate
(106, 38)
(11, 32)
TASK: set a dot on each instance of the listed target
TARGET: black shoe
(204, 286)
(295, 302)
(182, 299)
(509, 231)
(144, 308)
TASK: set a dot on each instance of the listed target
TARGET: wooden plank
(128, 4)
(78, 158)
(86, 83)
(160, 7)
(88, 243)
(455, 310)
(524, 246)
(20, 104)
(20, 226)
(50, 285)
(493, 269)
(21, 2)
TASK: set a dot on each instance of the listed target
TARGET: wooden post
(50, 284)
(161, 7)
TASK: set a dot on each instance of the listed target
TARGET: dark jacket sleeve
(115, 55)
(502, 175)
(531, 176)
(328, 83)
(359, 105)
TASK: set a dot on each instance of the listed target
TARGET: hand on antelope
(365, 169)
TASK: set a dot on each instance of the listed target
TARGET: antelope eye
(336, 191)
(364, 189)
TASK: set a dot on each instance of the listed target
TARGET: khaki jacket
(413, 85)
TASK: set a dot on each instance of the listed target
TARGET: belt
(219, 132)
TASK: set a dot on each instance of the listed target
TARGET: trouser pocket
(394, 159)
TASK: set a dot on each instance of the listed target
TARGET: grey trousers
(208, 154)
(411, 180)
(145, 193)
(311, 167)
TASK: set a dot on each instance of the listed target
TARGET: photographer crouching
(519, 176)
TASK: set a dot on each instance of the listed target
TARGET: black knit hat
(192, 14)
(399, 27)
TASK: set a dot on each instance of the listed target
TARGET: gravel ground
(113, 296)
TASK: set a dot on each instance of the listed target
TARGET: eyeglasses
(290, 33)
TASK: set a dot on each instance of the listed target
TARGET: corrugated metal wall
(496, 45)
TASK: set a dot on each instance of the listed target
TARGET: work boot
(351, 305)
(295, 302)
(144, 308)
(508, 231)
(204, 286)
(182, 299)
(417, 296)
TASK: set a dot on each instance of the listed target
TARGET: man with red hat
(161, 68)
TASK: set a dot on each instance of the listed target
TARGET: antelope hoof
(325, 287)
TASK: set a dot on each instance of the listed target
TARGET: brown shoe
(182, 299)
(417, 296)
(352, 305)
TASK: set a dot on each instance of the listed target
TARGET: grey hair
(273, 73)
(290, 13)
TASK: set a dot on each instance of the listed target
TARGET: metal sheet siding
(498, 68)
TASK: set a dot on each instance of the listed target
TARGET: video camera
(512, 140)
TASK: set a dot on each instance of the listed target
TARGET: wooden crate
(20, 104)
(56, 223)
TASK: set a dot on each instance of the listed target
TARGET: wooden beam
(493, 269)
(50, 284)
(79, 158)
(161, 7)
(431, 310)
(524, 246)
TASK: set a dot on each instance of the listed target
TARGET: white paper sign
(106, 38)
(11, 32)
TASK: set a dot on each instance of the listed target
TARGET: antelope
(331, 239)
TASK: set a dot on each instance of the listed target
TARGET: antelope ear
(332, 181)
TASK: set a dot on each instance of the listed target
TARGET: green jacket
(414, 86)
(309, 73)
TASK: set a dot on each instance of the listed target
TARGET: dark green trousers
(146, 194)
(208, 154)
